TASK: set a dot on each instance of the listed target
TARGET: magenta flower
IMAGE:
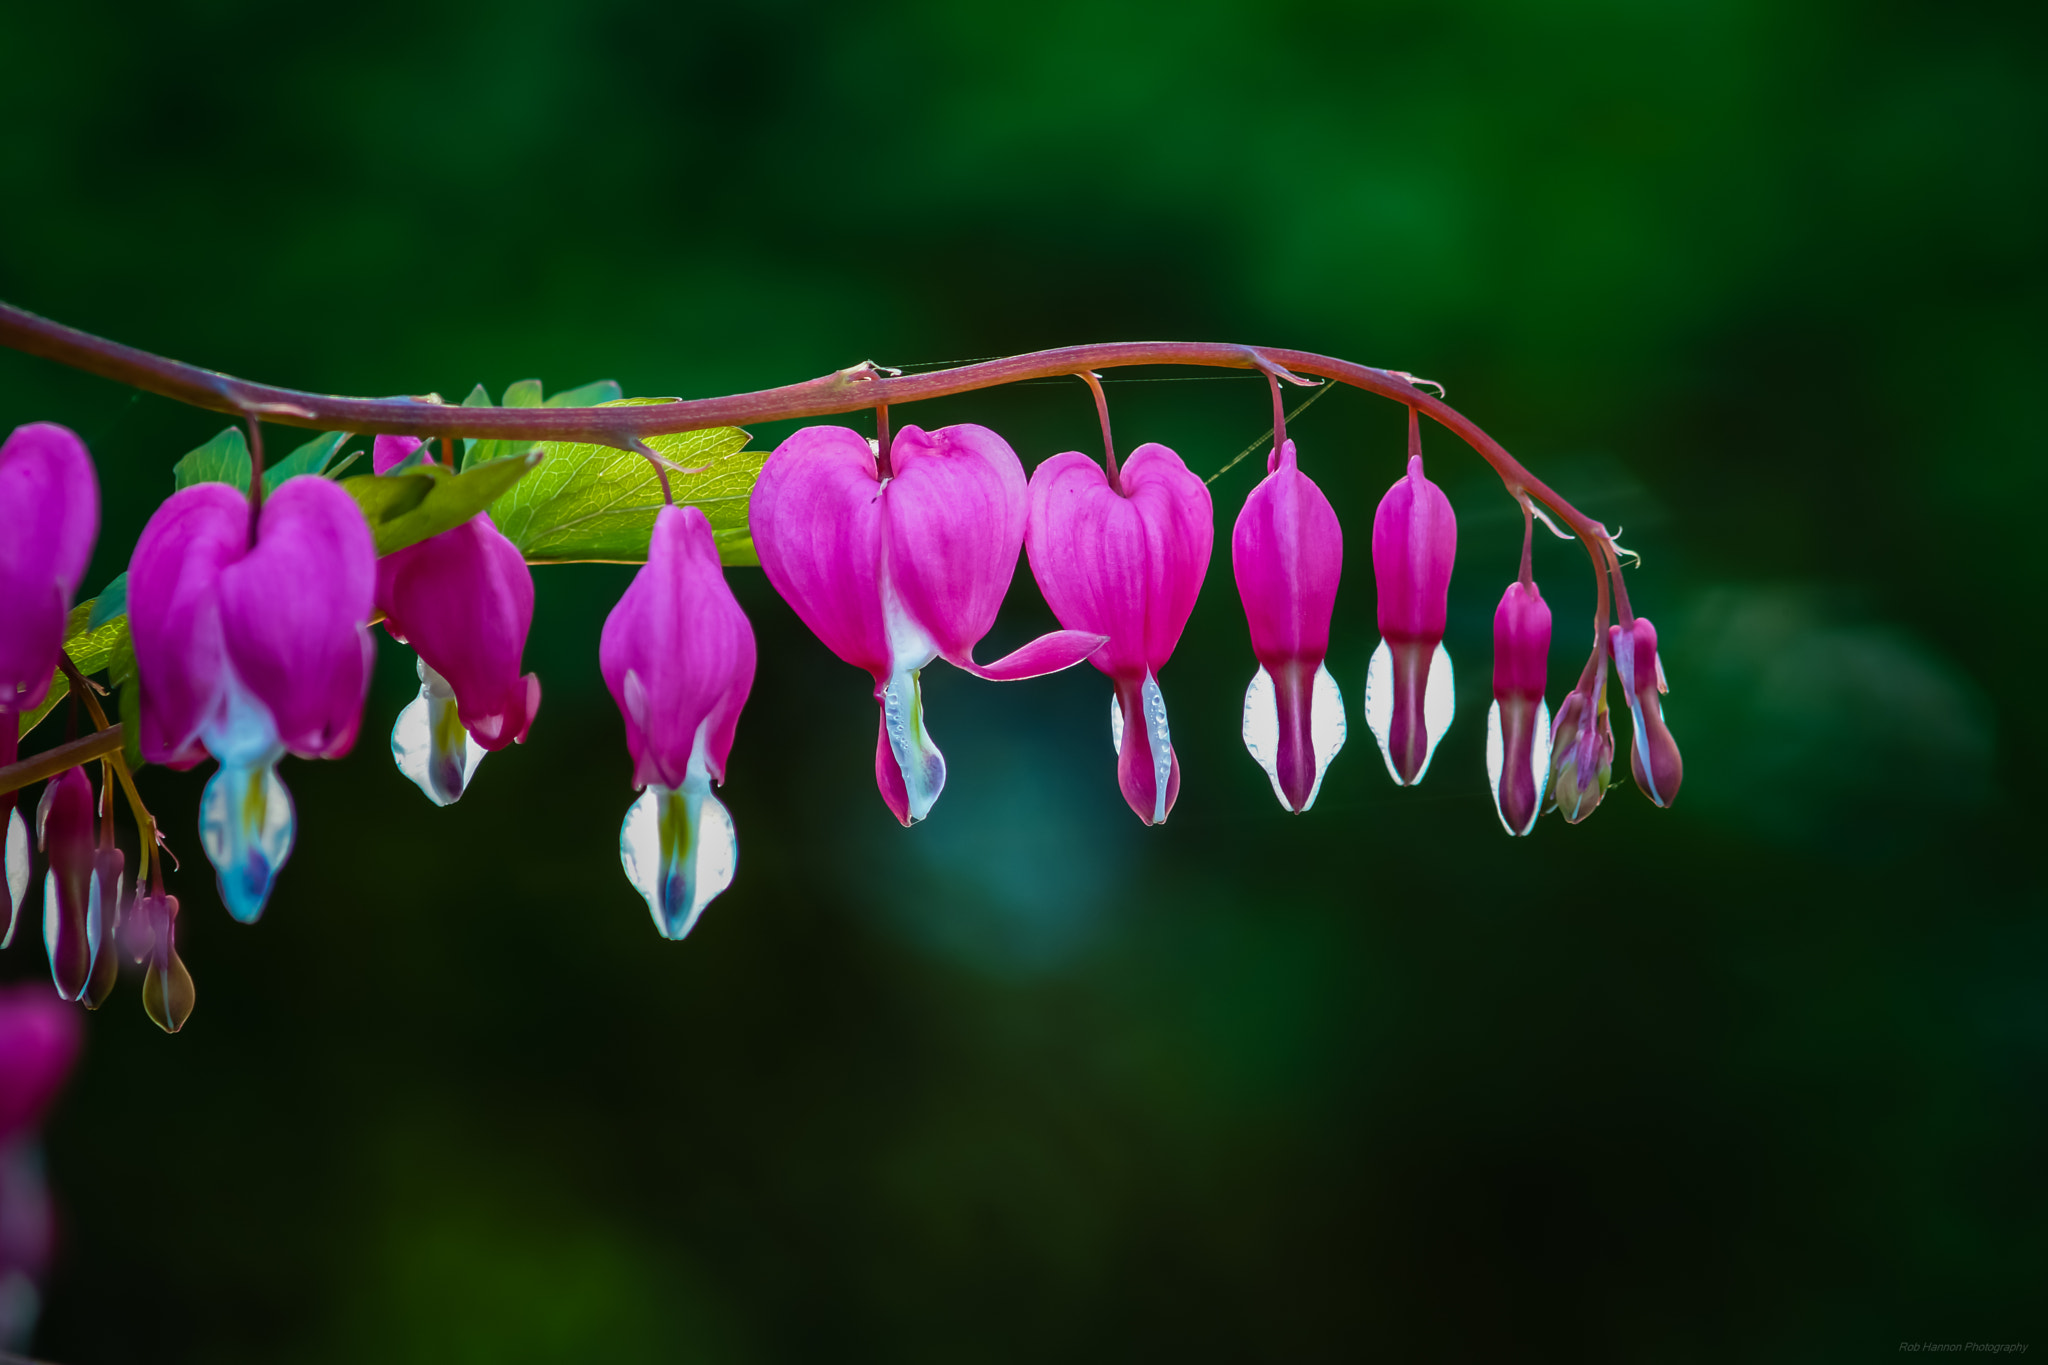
(1582, 745)
(1408, 689)
(1126, 562)
(1518, 723)
(1288, 551)
(51, 499)
(71, 928)
(249, 652)
(678, 655)
(39, 1041)
(464, 601)
(1652, 752)
(894, 572)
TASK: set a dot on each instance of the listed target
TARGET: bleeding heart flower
(1288, 551)
(678, 655)
(249, 652)
(1409, 698)
(1652, 752)
(1518, 724)
(1126, 562)
(51, 499)
(894, 572)
(464, 601)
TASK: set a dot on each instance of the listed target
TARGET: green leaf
(404, 509)
(112, 602)
(589, 395)
(591, 502)
(224, 459)
(527, 394)
(92, 646)
(311, 458)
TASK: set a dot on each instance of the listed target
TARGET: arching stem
(1094, 383)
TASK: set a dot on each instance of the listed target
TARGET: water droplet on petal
(679, 850)
(246, 825)
(1161, 743)
(922, 765)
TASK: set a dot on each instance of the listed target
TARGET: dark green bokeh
(1763, 1076)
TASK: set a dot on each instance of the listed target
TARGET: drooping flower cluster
(248, 616)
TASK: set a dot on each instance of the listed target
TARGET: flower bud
(1653, 753)
(1518, 723)
(1582, 747)
(1408, 687)
(1288, 553)
(64, 831)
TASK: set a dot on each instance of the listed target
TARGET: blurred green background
(1763, 1076)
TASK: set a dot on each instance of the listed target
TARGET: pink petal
(388, 452)
(51, 518)
(1127, 566)
(464, 601)
(677, 654)
(39, 1039)
(292, 613)
(174, 615)
(1288, 553)
(816, 517)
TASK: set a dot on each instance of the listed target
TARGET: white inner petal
(679, 849)
(1261, 728)
(430, 746)
(1116, 724)
(1439, 702)
(246, 825)
(1379, 702)
(18, 873)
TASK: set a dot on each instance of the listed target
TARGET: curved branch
(856, 388)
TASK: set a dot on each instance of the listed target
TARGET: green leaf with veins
(311, 458)
(406, 508)
(595, 503)
(92, 646)
(527, 394)
(224, 459)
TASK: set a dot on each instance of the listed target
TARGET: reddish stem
(1094, 382)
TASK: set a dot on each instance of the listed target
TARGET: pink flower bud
(1288, 553)
(247, 653)
(1126, 564)
(1409, 699)
(1518, 725)
(1653, 753)
(892, 573)
(64, 831)
(1582, 747)
(677, 654)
